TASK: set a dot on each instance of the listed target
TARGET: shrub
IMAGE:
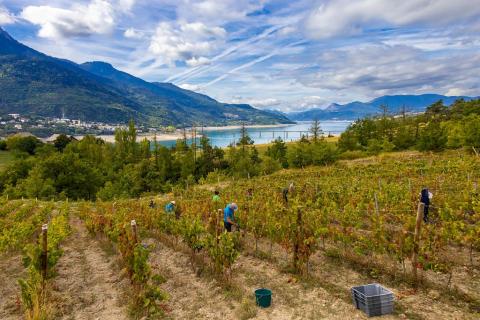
(433, 137)
(23, 144)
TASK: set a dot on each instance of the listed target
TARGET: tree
(472, 131)
(35, 186)
(62, 141)
(15, 172)
(126, 147)
(384, 109)
(348, 141)
(255, 156)
(433, 137)
(210, 159)
(436, 109)
(270, 165)
(132, 142)
(324, 153)
(71, 175)
(404, 137)
(278, 151)
(242, 163)
(186, 163)
(299, 155)
(145, 149)
(25, 145)
(316, 130)
(245, 139)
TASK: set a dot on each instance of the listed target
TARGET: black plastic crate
(373, 299)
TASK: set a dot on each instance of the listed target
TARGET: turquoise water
(225, 137)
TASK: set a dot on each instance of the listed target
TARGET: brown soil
(338, 277)
(424, 304)
(190, 297)
(200, 297)
(11, 269)
(88, 284)
(291, 299)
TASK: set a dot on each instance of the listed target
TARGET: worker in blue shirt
(171, 208)
(228, 216)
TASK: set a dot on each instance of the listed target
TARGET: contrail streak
(249, 64)
(201, 69)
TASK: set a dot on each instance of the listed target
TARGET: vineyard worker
(286, 191)
(228, 216)
(152, 204)
(216, 199)
(425, 197)
(170, 207)
(249, 193)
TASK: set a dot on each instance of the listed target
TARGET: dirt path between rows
(194, 297)
(11, 269)
(337, 277)
(290, 299)
(88, 285)
(190, 296)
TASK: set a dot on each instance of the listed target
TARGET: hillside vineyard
(354, 217)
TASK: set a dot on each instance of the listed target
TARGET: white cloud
(185, 42)
(288, 30)
(379, 69)
(6, 17)
(457, 92)
(195, 62)
(126, 5)
(345, 17)
(215, 11)
(133, 33)
(187, 86)
(310, 102)
(303, 103)
(199, 29)
(96, 17)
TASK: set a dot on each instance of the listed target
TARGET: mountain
(176, 104)
(36, 84)
(277, 112)
(357, 109)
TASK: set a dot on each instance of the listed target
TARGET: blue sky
(286, 55)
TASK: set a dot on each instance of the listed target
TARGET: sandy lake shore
(160, 137)
(178, 133)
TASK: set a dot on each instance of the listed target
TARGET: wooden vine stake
(297, 240)
(218, 225)
(133, 223)
(44, 257)
(416, 241)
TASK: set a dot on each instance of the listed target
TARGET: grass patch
(248, 309)
(232, 291)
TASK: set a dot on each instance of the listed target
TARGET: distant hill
(36, 84)
(356, 109)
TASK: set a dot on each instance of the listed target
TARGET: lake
(223, 137)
